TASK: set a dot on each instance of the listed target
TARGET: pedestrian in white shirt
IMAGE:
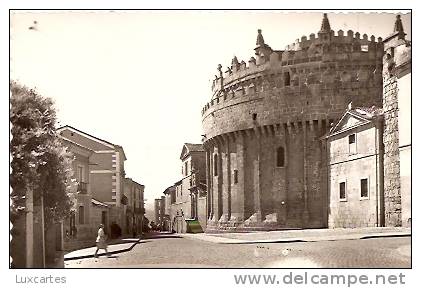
(101, 242)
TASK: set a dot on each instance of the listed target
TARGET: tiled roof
(194, 147)
(81, 132)
(367, 112)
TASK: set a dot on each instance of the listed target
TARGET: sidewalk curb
(293, 240)
(103, 253)
(386, 236)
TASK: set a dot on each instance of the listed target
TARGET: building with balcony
(99, 170)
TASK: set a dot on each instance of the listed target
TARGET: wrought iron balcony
(82, 188)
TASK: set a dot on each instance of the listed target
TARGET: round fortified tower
(266, 161)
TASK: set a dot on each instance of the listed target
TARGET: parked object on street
(193, 226)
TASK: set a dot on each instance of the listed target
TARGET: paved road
(188, 253)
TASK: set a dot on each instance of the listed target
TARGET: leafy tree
(39, 160)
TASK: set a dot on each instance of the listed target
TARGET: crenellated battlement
(264, 128)
(313, 78)
(337, 38)
(309, 60)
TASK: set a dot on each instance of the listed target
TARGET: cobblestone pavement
(188, 253)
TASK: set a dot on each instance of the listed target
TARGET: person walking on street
(101, 242)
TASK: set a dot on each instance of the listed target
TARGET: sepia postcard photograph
(211, 139)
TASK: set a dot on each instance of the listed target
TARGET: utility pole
(43, 229)
(29, 203)
(134, 230)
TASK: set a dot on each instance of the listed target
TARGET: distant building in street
(186, 199)
(169, 195)
(160, 212)
(135, 206)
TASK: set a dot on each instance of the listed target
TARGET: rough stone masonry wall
(392, 191)
(290, 99)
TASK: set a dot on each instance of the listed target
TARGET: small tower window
(235, 176)
(215, 165)
(280, 157)
(352, 144)
(342, 191)
(364, 188)
(287, 79)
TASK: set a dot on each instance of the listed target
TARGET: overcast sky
(140, 78)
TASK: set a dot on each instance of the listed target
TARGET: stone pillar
(237, 196)
(214, 184)
(219, 180)
(392, 184)
(208, 186)
(305, 216)
(226, 182)
(257, 184)
(280, 187)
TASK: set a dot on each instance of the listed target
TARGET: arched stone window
(215, 165)
(280, 157)
(287, 79)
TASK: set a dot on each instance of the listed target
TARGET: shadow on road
(160, 236)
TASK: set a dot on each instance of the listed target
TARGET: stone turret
(325, 24)
(235, 65)
(264, 121)
(399, 27)
(325, 33)
(396, 108)
(260, 40)
(262, 50)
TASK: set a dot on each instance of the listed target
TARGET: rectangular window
(342, 191)
(80, 173)
(352, 144)
(186, 168)
(215, 165)
(235, 176)
(364, 188)
(287, 79)
(172, 197)
(81, 215)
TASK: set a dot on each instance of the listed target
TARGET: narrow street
(173, 251)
